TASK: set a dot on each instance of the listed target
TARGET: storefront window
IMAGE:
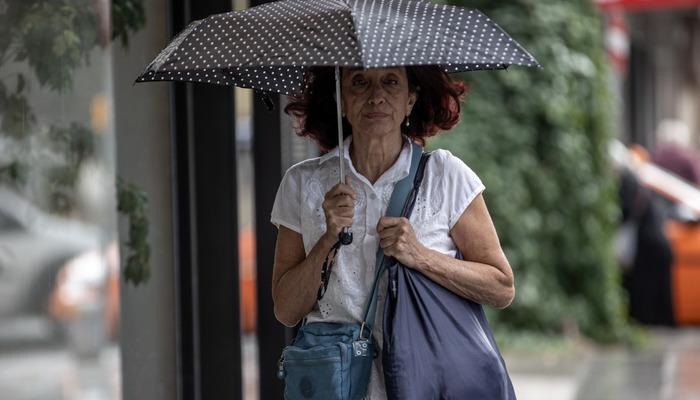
(59, 267)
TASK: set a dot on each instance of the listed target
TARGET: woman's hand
(398, 239)
(339, 207)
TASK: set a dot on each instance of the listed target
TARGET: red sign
(646, 5)
(617, 40)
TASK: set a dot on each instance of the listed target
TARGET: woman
(383, 109)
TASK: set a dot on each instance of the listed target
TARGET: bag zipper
(280, 368)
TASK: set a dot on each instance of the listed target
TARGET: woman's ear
(412, 98)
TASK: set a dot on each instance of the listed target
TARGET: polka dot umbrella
(268, 47)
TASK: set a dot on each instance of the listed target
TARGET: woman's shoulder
(303, 169)
(445, 162)
(452, 170)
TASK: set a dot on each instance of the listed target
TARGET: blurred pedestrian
(648, 277)
(674, 152)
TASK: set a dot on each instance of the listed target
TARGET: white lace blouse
(448, 188)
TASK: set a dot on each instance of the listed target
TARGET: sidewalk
(669, 369)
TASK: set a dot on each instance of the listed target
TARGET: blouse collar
(400, 169)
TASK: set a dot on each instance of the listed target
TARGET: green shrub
(538, 139)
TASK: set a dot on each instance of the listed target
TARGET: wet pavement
(667, 369)
(54, 373)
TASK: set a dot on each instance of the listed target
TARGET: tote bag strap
(402, 199)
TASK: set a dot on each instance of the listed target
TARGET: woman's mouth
(376, 115)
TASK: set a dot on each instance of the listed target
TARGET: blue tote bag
(438, 345)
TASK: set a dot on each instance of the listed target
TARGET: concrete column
(142, 121)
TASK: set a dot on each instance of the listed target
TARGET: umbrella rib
(356, 31)
(164, 55)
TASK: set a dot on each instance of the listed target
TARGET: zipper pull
(393, 288)
(280, 368)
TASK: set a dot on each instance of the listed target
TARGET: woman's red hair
(437, 107)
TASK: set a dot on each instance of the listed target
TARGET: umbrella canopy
(267, 47)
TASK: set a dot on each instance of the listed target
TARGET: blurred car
(85, 300)
(34, 248)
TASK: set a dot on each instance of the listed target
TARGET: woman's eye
(358, 82)
(392, 81)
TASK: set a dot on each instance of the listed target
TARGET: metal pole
(345, 237)
(341, 150)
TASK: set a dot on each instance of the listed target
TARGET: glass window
(59, 314)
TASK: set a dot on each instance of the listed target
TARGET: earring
(408, 122)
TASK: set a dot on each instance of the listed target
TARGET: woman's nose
(376, 95)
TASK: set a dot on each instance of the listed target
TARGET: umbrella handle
(345, 236)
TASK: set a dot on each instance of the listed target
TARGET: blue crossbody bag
(332, 361)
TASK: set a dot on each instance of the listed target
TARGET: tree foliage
(54, 38)
(127, 16)
(538, 139)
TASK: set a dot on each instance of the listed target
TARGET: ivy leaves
(133, 202)
(538, 139)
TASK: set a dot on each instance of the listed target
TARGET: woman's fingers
(398, 239)
(392, 232)
(339, 207)
(341, 213)
(345, 222)
(392, 226)
(389, 233)
(342, 201)
(341, 189)
(387, 242)
(344, 212)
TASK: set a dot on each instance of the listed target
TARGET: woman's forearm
(481, 283)
(295, 293)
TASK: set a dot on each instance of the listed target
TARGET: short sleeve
(286, 209)
(462, 185)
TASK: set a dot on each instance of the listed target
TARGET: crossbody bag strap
(402, 199)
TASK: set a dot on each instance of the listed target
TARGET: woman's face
(376, 101)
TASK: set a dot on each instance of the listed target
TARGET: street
(667, 370)
(52, 373)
